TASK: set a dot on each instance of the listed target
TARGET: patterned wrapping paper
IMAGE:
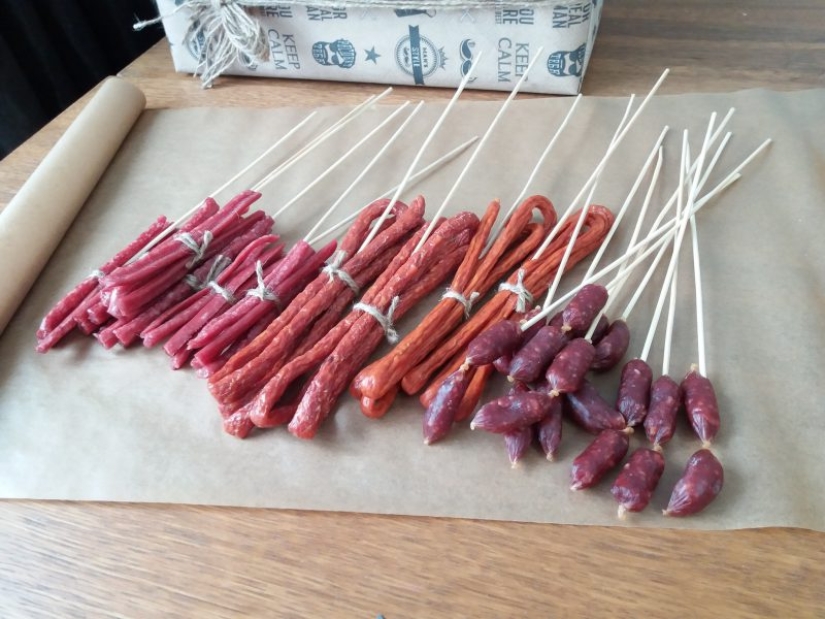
(432, 45)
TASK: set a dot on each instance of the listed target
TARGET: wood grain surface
(120, 560)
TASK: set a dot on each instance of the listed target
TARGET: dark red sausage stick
(700, 483)
(549, 430)
(583, 308)
(440, 414)
(637, 480)
(611, 348)
(502, 338)
(660, 423)
(701, 406)
(517, 443)
(588, 410)
(511, 412)
(531, 361)
(568, 369)
(634, 391)
(604, 453)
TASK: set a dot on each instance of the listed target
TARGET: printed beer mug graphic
(563, 63)
(339, 53)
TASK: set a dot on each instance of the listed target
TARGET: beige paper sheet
(34, 222)
(85, 423)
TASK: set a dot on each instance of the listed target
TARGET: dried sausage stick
(475, 276)
(700, 483)
(637, 480)
(440, 414)
(239, 372)
(598, 458)
(335, 373)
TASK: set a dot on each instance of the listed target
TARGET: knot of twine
(333, 269)
(198, 249)
(96, 274)
(224, 292)
(518, 289)
(466, 302)
(217, 267)
(261, 291)
(221, 32)
(385, 320)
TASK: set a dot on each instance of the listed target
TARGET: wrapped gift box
(426, 43)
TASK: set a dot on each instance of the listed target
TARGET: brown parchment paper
(88, 424)
(34, 222)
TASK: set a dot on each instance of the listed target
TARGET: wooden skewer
(582, 216)
(366, 170)
(540, 161)
(343, 158)
(603, 162)
(328, 133)
(415, 177)
(478, 149)
(181, 219)
(420, 153)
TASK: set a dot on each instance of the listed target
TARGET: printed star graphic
(372, 55)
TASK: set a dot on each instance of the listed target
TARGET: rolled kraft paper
(37, 218)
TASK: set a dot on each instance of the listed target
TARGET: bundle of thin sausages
(186, 288)
(304, 387)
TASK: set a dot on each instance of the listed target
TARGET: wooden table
(84, 560)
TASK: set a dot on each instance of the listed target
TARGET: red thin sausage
(611, 348)
(701, 406)
(634, 391)
(660, 423)
(700, 483)
(568, 369)
(583, 308)
(637, 480)
(604, 453)
(588, 410)
(511, 412)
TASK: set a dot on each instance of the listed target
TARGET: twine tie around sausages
(96, 274)
(198, 249)
(518, 289)
(385, 320)
(217, 267)
(261, 291)
(333, 269)
(465, 301)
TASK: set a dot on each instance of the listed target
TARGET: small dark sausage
(440, 414)
(700, 483)
(531, 361)
(701, 406)
(502, 364)
(583, 308)
(568, 369)
(637, 480)
(599, 332)
(611, 348)
(605, 452)
(660, 423)
(502, 338)
(588, 410)
(634, 391)
(517, 443)
(511, 412)
(549, 430)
